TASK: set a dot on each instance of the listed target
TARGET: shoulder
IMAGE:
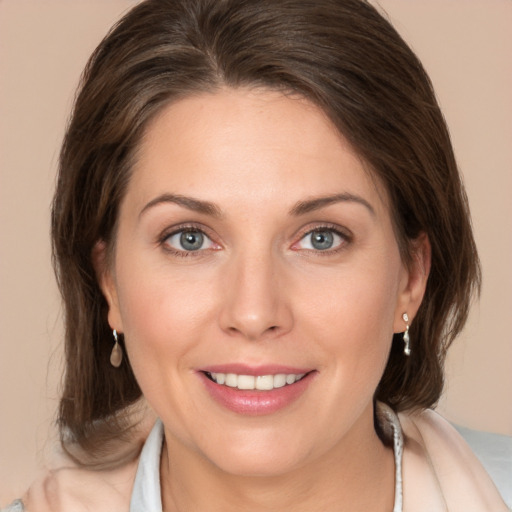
(74, 489)
(66, 486)
(437, 454)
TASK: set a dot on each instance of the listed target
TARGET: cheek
(358, 302)
(162, 314)
(164, 319)
(353, 317)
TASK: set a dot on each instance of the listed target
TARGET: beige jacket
(440, 473)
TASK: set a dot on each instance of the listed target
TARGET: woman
(260, 228)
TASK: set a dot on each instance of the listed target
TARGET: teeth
(290, 379)
(246, 382)
(231, 380)
(279, 380)
(261, 382)
(264, 382)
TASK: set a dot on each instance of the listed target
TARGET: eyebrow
(195, 205)
(310, 205)
(300, 208)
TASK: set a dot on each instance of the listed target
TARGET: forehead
(249, 144)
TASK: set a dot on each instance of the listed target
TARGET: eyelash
(162, 240)
(187, 228)
(343, 234)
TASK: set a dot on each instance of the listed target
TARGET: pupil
(322, 240)
(191, 240)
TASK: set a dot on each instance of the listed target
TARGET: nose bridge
(255, 302)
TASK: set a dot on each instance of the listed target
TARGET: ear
(414, 282)
(106, 280)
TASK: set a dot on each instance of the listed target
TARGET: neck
(356, 475)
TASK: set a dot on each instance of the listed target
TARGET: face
(257, 281)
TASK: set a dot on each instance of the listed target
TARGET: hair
(341, 55)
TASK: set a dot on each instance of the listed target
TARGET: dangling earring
(407, 348)
(116, 356)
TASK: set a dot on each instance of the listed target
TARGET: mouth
(255, 382)
(256, 391)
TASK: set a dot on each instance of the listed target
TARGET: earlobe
(106, 281)
(417, 273)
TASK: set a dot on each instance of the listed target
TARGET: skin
(257, 292)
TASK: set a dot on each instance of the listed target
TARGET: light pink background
(466, 46)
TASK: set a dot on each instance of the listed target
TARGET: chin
(257, 467)
(258, 458)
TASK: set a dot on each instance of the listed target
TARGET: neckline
(146, 493)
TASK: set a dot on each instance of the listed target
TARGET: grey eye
(191, 240)
(322, 240)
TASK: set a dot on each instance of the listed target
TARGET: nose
(255, 304)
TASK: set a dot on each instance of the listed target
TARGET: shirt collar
(146, 488)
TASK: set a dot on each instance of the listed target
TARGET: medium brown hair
(343, 56)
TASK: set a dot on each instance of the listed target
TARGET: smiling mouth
(251, 382)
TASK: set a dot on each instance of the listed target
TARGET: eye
(321, 239)
(188, 240)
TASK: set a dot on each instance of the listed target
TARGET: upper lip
(244, 369)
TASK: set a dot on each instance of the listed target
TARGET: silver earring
(407, 348)
(116, 356)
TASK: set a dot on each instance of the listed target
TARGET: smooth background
(466, 46)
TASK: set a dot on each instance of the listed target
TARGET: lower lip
(253, 402)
